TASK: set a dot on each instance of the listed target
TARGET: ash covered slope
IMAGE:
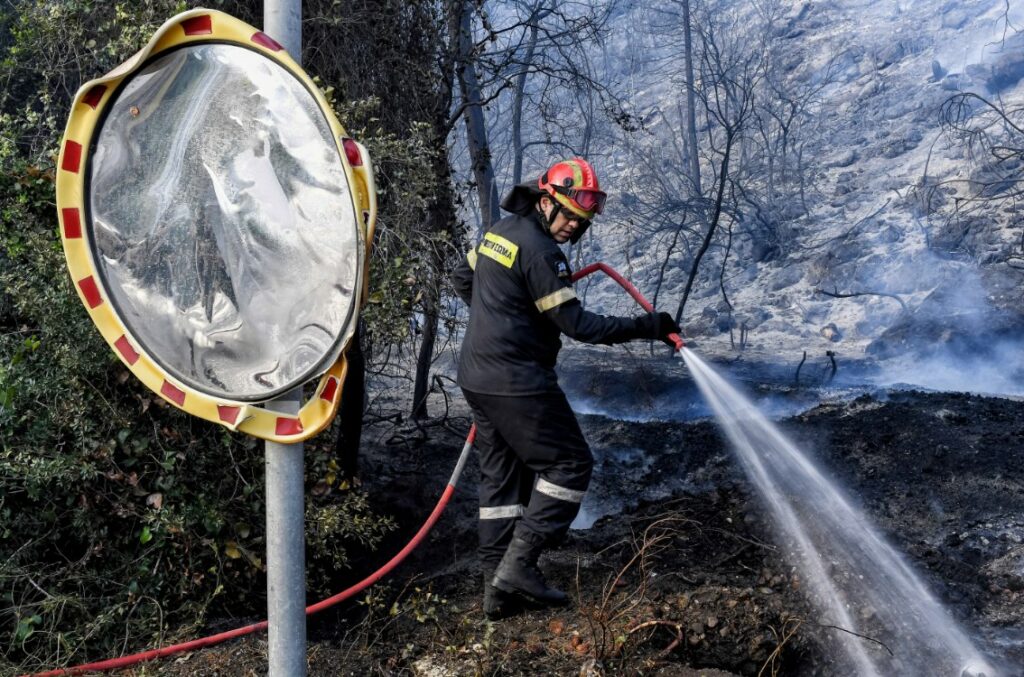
(880, 73)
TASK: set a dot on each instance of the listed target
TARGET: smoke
(999, 371)
(981, 34)
(964, 335)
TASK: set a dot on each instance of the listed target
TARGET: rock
(815, 313)
(956, 82)
(427, 667)
(891, 234)
(938, 72)
(753, 318)
(898, 147)
(711, 322)
(1007, 69)
(869, 90)
(978, 72)
(786, 277)
(821, 268)
(845, 158)
(890, 54)
(954, 16)
(831, 332)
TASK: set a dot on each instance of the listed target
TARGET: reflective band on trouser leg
(499, 512)
(495, 530)
(561, 493)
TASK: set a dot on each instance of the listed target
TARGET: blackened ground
(688, 582)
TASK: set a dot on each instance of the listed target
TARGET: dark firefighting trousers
(534, 469)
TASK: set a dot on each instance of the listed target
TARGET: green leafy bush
(406, 253)
(123, 522)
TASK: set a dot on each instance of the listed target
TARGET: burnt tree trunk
(421, 386)
(476, 127)
(538, 14)
(723, 179)
(441, 218)
(691, 105)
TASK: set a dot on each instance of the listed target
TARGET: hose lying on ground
(133, 659)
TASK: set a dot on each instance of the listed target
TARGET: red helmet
(573, 185)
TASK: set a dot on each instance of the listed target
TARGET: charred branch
(835, 293)
(664, 653)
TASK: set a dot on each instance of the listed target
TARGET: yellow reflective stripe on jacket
(498, 248)
(471, 257)
(555, 299)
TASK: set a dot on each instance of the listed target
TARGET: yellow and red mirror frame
(198, 26)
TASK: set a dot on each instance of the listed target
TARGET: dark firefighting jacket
(518, 285)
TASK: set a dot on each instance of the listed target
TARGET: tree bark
(426, 354)
(476, 126)
(723, 177)
(538, 13)
(691, 105)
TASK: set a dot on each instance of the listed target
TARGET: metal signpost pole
(286, 546)
(286, 550)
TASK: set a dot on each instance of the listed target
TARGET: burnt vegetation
(992, 135)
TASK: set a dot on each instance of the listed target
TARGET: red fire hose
(126, 661)
(630, 289)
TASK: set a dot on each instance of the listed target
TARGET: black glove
(657, 326)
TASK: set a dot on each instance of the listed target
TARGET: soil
(682, 576)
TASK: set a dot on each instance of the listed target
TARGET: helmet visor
(589, 201)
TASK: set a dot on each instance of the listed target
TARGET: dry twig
(664, 653)
(857, 634)
(787, 634)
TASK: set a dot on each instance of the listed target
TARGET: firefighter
(534, 462)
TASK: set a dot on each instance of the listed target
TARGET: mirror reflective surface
(222, 222)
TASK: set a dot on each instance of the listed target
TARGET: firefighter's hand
(657, 326)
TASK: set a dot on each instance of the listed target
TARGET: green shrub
(123, 521)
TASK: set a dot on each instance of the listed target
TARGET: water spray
(858, 582)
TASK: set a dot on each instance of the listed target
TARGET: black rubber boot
(499, 604)
(518, 574)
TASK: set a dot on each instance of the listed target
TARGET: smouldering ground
(938, 474)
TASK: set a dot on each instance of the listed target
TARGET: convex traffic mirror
(215, 219)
